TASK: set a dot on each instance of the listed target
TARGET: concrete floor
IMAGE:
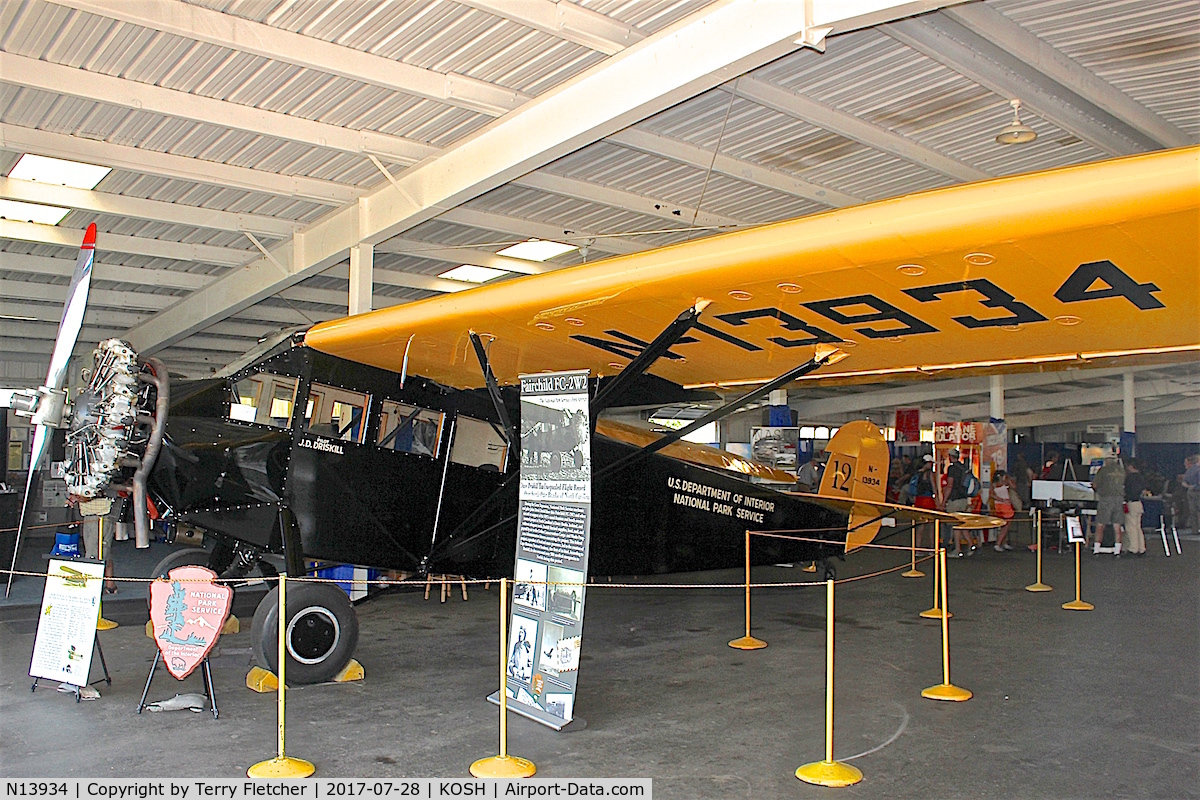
(1067, 704)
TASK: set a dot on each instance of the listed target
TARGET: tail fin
(857, 469)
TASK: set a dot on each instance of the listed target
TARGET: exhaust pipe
(158, 377)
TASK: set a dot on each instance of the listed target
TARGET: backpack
(970, 483)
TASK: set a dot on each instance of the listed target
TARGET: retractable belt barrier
(826, 772)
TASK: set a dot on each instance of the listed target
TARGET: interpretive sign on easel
(66, 631)
(553, 525)
(188, 611)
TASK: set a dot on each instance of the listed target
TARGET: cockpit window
(409, 429)
(478, 444)
(336, 413)
(265, 399)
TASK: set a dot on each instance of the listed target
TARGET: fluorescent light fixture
(32, 212)
(56, 170)
(537, 250)
(473, 274)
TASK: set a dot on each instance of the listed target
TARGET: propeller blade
(73, 311)
(41, 441)
(56, 376)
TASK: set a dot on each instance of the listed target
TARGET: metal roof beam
(619, 198)
(168, 165)
(464, 255)
(949, 43)
(96, 333)
(746, 171)
(566, 21)
(703, 50)
(61, 267)
(152, 210)
(246, 36)
(930, 392)
(1069, 398)
(856, 129)
(525, 228)
(133, 245)
(381, 276)
(97, 87)
(1029, 49)
(102, 298)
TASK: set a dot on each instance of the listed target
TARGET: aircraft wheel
(184, 557)
(555, 462)
(321, 632)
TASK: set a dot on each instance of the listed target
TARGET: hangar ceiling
(254, 144)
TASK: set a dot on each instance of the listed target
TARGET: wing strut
(620, 383)
(826, 354)
(492, 387)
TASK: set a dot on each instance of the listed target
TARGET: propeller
(51, 403)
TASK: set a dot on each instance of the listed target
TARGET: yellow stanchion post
(913, 572)
(936, 611)
(829, 772)
(1077, 604)
(503, 766)
(748, 642)
(282, 766)
(102, 624)
(1038, 586)
(946, 690)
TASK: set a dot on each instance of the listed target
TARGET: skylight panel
(59, 171)
(537, 250)
(32, 212)
(473, 274)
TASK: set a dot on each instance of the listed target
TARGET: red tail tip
(89, 237)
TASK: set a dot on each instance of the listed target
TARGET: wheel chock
(261, 680)
(353, 671)
(231, 626)
(106, 624)
(149, 629)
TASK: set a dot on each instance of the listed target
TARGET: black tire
(182, 557)
(830, 572)
(322, 632)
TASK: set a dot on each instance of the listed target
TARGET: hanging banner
(188, 611)
(66, 631)
(553, 529)
(908, 426)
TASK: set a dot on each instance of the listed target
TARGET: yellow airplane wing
(1054, 268)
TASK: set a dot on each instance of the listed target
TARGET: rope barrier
(778, 535)
(39, 527)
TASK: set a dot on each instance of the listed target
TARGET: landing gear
(321, 632)
(184, 557)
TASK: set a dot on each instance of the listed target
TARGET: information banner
(66, 631)
(908, 426)
(553, 526)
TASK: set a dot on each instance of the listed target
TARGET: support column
(997, 397)
(362, 258)
(1128, 418)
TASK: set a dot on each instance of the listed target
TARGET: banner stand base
(575, 724)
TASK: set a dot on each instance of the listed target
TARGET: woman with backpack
(921, 490)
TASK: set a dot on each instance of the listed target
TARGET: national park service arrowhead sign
(187, 611)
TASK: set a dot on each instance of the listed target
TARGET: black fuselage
(370, 489)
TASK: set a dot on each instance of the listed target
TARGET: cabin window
(409, 429)
(264, 399)
(336, 413)
(478, 444)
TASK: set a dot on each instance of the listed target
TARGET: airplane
(387, 439)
